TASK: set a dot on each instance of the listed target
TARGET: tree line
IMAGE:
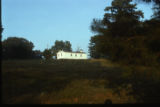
(122, 37)
(20, 48)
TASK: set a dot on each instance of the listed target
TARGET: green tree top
(47, 54)
(61, 45)
(17, 48)
(121, 12)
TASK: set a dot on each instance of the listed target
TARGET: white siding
(67, 55)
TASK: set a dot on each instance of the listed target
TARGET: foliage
(17, 48)
(122, 12)
(122, 37)
(61, 45)
(93, 47)
(47, 54)
(142, 83)
(37, 54)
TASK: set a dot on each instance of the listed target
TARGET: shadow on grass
(142, 84)
(26, 77)
(33, 77)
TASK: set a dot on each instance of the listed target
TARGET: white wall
(67, 55)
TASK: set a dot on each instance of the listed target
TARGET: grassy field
(68, 82)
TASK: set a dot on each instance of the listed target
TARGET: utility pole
(1, 29)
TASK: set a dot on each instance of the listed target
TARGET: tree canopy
(17, 48)
(122, 36)
(61, 45)
(122, 12)
(47, 54)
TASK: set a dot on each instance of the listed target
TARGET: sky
(44, 21)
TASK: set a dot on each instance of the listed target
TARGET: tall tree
(118, 34)
(120, 19)
(94, 47)
(152, 28)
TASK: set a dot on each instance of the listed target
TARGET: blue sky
(44, 21)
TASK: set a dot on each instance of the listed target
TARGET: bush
(47, 54)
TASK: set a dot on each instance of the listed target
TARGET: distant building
(71, 55)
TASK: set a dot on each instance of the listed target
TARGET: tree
(156, 9)
(94, 48)
(60, 45)
(121, 19)
(120, 22)
(17, 48)
(120, 35)
(47, 54)
(37, 54)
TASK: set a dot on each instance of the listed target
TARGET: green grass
(65, 82)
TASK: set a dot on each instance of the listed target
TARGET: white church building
(71, 55)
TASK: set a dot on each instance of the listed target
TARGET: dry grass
(63, 82)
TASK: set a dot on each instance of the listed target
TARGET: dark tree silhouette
(118, 36)
(17, 48)
(37, 54)
(137, 44)
(47, 54)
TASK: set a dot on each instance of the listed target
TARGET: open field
(67, 82)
